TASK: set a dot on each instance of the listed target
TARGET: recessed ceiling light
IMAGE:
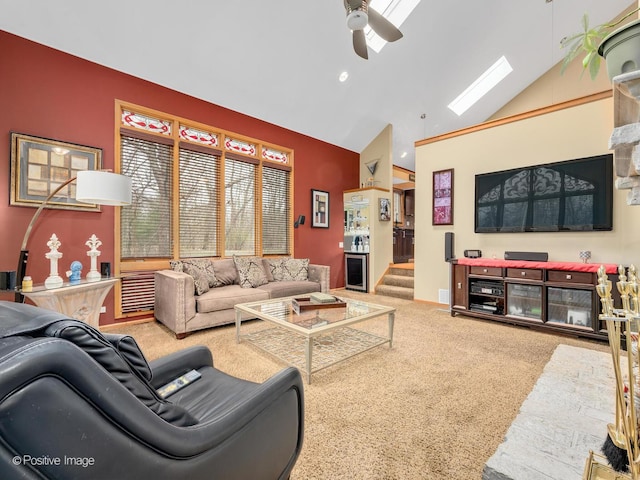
(343, 76)
(396, 11)
(485, 82)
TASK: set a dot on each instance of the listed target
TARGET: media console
(557, 296)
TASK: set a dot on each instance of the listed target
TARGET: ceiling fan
(359, 15)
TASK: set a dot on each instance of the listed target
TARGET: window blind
(240, 207)
(146, 223)
(276, 217)
(199, 203)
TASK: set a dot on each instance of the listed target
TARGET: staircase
(397, 282)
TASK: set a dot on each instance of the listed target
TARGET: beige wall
(553, 88)
(381, 232)
(379, 149)
(570, 133)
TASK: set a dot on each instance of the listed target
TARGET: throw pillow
(290, 269)
(198, 269)
(250, 271)
(206, 269)
(226, 271)
(176, 265)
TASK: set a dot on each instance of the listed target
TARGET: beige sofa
(186, 302)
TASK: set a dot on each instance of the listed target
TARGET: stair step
(404, 272)
(398, 281)
(393, 291)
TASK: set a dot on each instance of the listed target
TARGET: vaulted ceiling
(279, 60)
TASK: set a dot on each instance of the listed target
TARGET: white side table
(81, 301)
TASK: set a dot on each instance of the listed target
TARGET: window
(240, 211)
(199, 187)
(197, 192)
(146, 223)
(276, 208)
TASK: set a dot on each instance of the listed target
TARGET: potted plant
(620, 48)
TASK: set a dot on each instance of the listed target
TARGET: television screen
(575, 195)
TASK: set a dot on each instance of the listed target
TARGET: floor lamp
(93, 186)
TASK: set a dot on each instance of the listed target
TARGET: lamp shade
(103, 188)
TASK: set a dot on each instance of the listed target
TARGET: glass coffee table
(318, 336)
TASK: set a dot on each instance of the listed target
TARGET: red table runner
(570, 266)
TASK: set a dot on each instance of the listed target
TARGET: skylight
(478, 89)
(396, 11)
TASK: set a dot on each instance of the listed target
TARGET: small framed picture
(385, 209)
(443, 197)
(319, 209)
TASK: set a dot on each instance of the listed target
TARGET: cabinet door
(409, 200)
(408, 244)
(524, 301)
(397, 245)
(570, 306)
(459, 288)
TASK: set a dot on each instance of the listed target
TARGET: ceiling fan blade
(383, 27)
(360, 44)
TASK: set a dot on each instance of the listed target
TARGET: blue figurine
(76, 270)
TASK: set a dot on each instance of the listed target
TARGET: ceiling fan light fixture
(357, 20)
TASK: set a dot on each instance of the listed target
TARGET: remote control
(182, 381)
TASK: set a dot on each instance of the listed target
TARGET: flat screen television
(574, 195)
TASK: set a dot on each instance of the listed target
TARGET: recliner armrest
(175, 364)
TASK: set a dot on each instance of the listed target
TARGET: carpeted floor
(435, 406)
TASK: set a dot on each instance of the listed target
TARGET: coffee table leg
(309, 358)
(238, 322)
(392, 317)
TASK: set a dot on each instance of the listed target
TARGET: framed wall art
(385, 209)
(40, 165)
(443, 197)
(319, 209)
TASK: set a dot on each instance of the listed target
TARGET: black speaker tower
(448, 247)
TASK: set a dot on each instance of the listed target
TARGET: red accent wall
(51, 94)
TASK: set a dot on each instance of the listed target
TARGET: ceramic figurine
(53, 280)
(75, 272)
(93, 243)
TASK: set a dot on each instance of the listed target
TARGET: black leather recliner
(76, 404)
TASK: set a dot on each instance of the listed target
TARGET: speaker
(528, 256)
(448, 247)
(299, 221)
(105, 269)
(8, 280)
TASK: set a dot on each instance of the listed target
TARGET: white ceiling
(279, 60)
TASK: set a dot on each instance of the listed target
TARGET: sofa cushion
(250, 271)
(289, 288)
(225, 271)
(288, 269)
(224, 298)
